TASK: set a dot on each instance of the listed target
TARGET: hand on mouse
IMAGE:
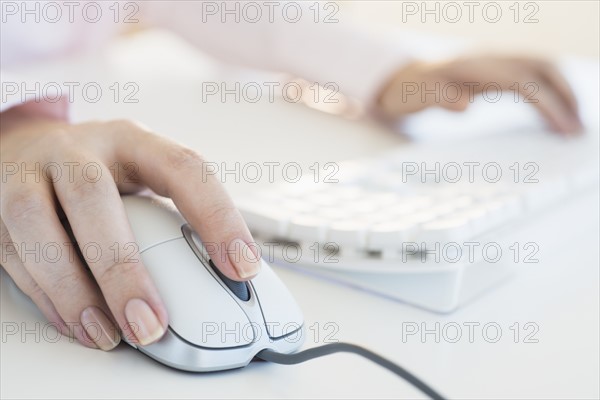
(54, 171)
(452, 84)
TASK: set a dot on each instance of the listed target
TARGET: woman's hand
(52, 171)
(452, 84)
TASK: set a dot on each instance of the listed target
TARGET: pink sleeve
(319, 51)
(49, 104)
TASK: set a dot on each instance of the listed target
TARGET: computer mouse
(215, 323)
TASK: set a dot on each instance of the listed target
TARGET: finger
(455, 96)
(125, 175)
(29, 215)
(97, 217)
(9, 256)
(551, 74)
(547, 100)
(179, 173)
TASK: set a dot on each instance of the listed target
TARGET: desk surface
(559, 296)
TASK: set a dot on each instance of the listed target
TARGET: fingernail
(99, 328)
(242, 257)
(144, 324)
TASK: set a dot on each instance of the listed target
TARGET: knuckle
(125, 125)
(8, 249)
(182, 158)
(536, 65)
(56, 140)
(129, 130)
(90, 186)
(223, 215)
(4, 236)
(23, 204)
(118, 273)
(60, 136)
(57, 137)
(82, 186)
(542, 62)
(64, 282)
(32, 290)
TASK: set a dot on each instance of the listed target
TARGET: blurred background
(548, 27)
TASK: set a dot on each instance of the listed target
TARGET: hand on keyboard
(453, 84)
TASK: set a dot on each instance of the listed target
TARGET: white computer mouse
(214, 323)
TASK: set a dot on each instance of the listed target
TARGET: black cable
(315, 352)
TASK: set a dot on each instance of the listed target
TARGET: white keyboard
(422, 223)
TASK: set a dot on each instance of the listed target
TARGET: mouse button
(240, 289)
(200, 310)
(153, 221)
(280, 310)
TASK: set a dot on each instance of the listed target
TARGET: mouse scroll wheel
(240, 289)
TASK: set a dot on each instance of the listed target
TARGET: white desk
(560, 294)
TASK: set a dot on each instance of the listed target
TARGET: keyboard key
(420, 217)
(347, 233)
(442, 231)
(303, 187)
(402, 208)
(359, 208)
(296, 206)
(381, 199)
(463, 201)
(264, 219)
(478, 219)
(308, 229)
(538, 195)
(344, 192)
(389, 235)
(331, 213)
(441, 209)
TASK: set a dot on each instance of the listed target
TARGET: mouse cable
(320, 351)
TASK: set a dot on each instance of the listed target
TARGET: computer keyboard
(421, 223)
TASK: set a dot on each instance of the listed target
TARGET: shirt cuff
(47, 102)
